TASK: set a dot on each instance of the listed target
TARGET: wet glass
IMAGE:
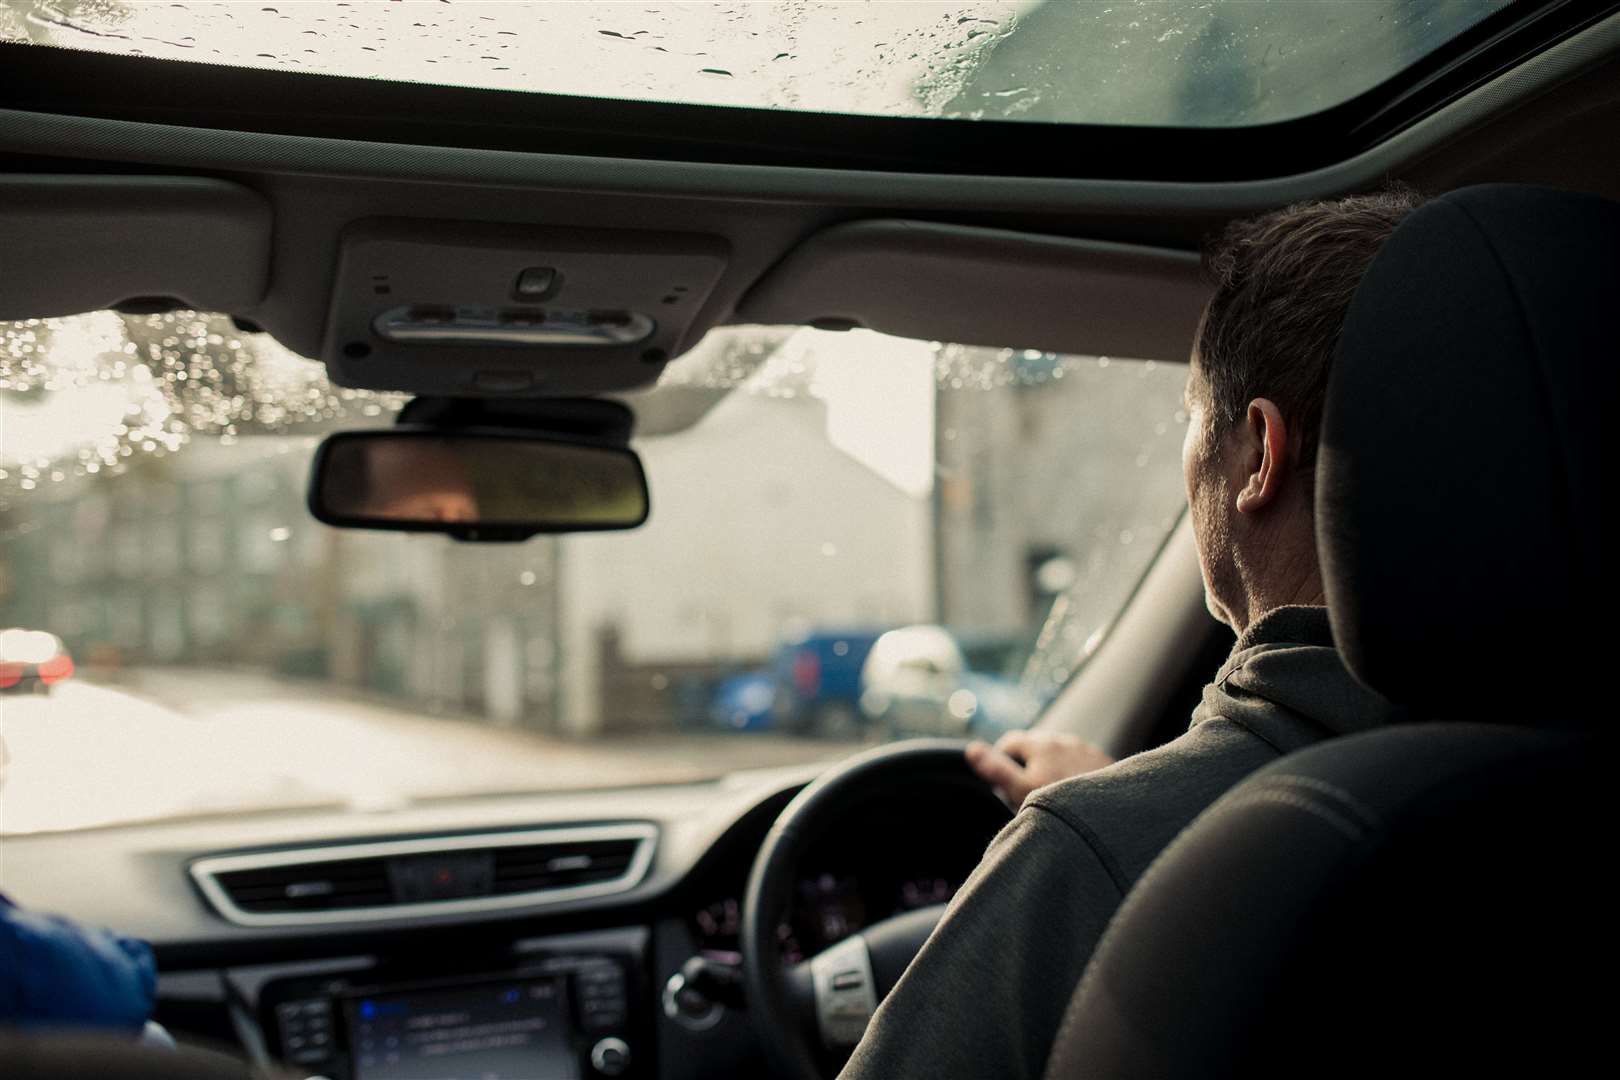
(1206, 63)
(854, 538)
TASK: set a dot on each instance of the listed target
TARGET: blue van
(818, 679)
(812, 686)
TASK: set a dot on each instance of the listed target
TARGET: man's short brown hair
(1283, 283)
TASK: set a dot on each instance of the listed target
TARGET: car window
(1130, 62)
(853, 538)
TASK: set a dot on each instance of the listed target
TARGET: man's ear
(1266, 442)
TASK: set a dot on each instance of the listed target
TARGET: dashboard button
(535, 283)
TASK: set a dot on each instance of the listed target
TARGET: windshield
(853, 538)
(1138, 62)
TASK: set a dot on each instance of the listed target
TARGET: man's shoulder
(1129, 811)
(1212, 750)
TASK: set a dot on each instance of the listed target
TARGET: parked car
(32, 661)
(917, 680)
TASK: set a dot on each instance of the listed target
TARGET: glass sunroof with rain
(1128, 62)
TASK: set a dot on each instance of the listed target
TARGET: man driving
(985, 995)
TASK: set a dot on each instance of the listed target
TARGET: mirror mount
(587, 420)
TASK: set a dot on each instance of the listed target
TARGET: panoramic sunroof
(1181, 63)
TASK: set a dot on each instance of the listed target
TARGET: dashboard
(574, 985)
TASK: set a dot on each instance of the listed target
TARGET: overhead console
(157, 240)
(978, 286)
(475, 309)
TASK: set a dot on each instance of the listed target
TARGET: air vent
(560, 866)
(399, 879)
(346, 883)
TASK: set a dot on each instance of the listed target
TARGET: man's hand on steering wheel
(1022, 761)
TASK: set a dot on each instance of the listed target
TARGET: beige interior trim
(203, 241)
(993, 287)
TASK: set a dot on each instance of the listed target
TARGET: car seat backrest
(1431, 897)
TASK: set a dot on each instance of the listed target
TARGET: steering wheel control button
(610, 1056)
(536, 283)
(846, 994)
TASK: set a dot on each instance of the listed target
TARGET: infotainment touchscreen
(515, 1030)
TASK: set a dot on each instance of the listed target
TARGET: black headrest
(1465, 456)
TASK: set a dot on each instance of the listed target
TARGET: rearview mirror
(475, 485)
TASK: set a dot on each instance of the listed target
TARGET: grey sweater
(986, 993)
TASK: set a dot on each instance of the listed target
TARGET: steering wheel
(808, 1016)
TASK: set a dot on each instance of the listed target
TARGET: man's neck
(1279, 582)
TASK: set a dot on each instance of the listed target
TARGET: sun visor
(987, 287)
(453, 308)
(70, 244)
